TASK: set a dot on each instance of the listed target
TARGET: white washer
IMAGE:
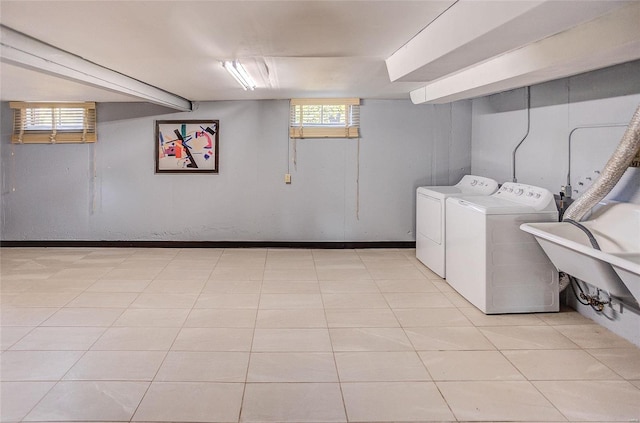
(430, 217)
(490, 261)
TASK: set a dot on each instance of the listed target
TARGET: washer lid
(440, 192)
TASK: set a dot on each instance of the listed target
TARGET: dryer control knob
(519, 191)
(474, 182)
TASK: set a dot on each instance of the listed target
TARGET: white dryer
(430, 217)
(490, 261)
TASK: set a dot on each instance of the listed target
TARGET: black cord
(573, 280)
(592, 239)
(595, 303)
(590, 301)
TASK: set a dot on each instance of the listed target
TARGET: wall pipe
(567, 189)
(515, 150)
(614, 169)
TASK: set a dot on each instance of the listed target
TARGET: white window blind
(53, 122)
(324, 118)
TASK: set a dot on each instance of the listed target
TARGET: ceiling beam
(608, 40)
(21, 50)
(445, 45)
(470, 32)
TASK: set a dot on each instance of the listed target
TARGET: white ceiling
(292, 48)
(310, 47)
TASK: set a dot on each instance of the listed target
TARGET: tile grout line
(478, 324)
(333, 352)
(255, 325)
(166, 354)
(56, 382)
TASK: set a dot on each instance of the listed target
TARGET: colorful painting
(189, 146)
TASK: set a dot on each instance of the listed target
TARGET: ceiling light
(241, 75)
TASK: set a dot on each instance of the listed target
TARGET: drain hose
(613, 171)
(592, 239)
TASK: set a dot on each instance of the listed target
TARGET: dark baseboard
(211, 244)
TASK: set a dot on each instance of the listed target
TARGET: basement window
(50, 123)
(324, 118)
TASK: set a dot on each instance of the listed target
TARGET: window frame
(349, 129)
(51, 133)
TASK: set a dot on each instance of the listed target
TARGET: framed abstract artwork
(187, 146)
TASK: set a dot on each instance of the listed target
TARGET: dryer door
(429, 222)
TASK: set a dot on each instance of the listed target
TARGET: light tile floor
(278, 335)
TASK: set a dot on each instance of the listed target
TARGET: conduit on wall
(614, 169)
(515, 150)
(567, 189)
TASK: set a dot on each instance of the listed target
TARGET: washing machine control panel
(536, 197)
(477, 184)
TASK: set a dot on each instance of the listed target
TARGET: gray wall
(602, 97)
(607, 96)
(108, 191)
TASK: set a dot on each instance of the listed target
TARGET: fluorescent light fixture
(240, 74)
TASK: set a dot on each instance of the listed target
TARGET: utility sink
(616, 268)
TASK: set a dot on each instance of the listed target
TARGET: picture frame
(187, 146)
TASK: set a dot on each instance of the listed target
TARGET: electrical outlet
(287, 178)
